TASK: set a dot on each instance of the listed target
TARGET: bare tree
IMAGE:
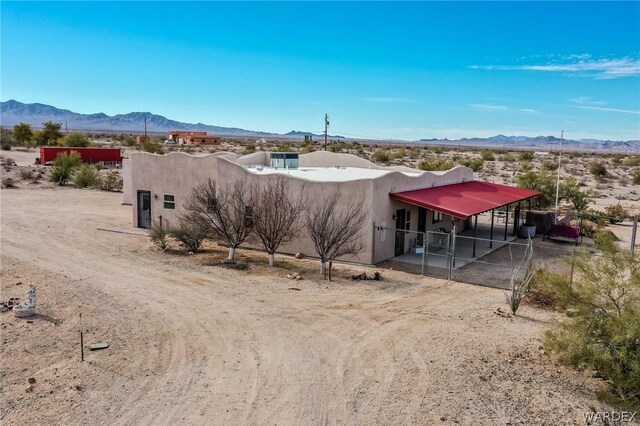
(336, 229)
(227, 212)
(277, 215)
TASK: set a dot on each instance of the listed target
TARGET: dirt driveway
(197, 344)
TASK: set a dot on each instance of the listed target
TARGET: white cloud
(582, 65)
(533, 111)
(388, 100)
(586, 100)
(486, 107)
(626, 111)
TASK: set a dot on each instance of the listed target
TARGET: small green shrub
(76, 140)
(307, 149)
(598, 169)
(152, 146)
(400, 153)
(487, 155)
(632, 161)
(525, 156)
(549, 166)
(604, 237)
(85, 176)
(8, 182)
(616, 213)
(26, 174)
(549, 289)
(63, 166)
(128, 141)
(436, 165)
(475, 164)
(159, 234)
(249, 148)
(381, 156)
(111, 181)
(189, 234)
(284, 147)
(635, 176)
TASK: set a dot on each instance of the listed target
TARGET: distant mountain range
(13, 112)
(542, 142)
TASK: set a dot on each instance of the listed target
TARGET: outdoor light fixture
(155, 196)
(393, 216)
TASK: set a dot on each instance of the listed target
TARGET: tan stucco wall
(174, 173)
(178, 173)
(127, 182)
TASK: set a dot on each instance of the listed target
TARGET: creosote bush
(487, 155)
(435, 165)
(63, 166)
(85, 176)
(190, 234)
(598, 169)
(616, 213)
(8, 182)
(111, 181)
(381, 156)
(549, 289)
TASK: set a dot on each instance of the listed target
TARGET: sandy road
(196, 344)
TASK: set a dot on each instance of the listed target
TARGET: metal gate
(437, 259)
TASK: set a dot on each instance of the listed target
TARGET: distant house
(192, 138)
(403, 202)
(108, 157)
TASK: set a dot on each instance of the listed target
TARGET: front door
(144, 209)
(400, 223)
(422, 226)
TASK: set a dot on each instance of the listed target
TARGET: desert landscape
(194, 343)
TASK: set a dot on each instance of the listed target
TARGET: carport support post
(506, 223)
(516, 218)
(491, 232)
(475, 236)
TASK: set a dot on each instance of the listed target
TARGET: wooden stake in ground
(81, 340)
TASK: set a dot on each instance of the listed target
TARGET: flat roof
(465, 199)
(327, 174)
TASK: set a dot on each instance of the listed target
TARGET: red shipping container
(88, 155)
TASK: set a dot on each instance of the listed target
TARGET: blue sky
(381, 70)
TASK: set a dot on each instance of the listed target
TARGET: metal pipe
(506, 223)
(558, 177)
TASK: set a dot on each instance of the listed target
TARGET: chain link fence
(474, 260)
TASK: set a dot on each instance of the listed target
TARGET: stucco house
(398, 198)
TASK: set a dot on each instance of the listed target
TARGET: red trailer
(104, 156)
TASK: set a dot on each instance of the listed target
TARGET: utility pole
(145, 127)
(558, 177)
(326, 124)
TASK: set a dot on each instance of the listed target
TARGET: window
(248, 216)
(437, 217)
(169, 201)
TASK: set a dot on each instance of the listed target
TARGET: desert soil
(192, 343)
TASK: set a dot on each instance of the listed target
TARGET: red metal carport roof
(465, 199)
